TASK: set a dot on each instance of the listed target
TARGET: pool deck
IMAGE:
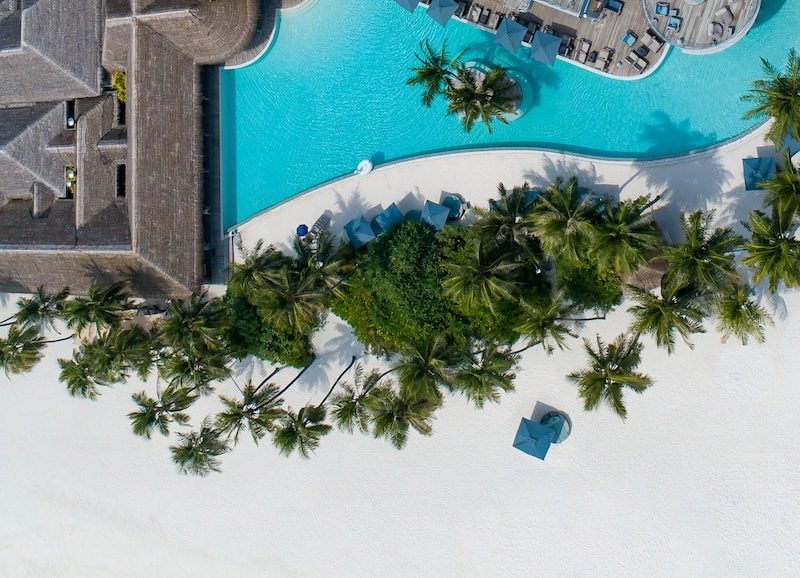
(709, 179)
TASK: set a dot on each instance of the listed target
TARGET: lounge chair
(715, 29)
(475, 13)
(653, 42)
(494, 21)
(583, 50)
(640, 64)
(724, 15)
(604, 59)
(615, 6)
(675, 23)
(662, 9)
(461, 11)
(630, 38)
(485, 16)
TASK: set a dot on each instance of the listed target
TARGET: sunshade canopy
(435, 215)
(533, 438)
(509, 34)
(442, 10)
(409, 5)
(359, 232)
(756, 171)
(389, 218)
(544, 47)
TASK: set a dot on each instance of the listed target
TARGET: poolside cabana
(387, 219)
(533, 438)
(442, 10)
(756, 171)
(434, 215)
(409, 5)
(359, 232)
(544, 47)
(509, 34)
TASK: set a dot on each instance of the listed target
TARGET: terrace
(701, 25)
(608, 36)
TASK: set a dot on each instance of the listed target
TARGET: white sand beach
(701, 480)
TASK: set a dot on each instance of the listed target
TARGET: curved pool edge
(755, 132)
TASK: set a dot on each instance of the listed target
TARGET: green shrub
(119, 83)
(589, 286)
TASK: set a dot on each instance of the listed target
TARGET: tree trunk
(266, 379)
(335, 383)
(290, 384)
(378, 380)
(62, 339)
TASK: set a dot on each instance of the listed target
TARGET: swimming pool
(331, 91)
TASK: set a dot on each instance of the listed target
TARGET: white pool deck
(701, 481)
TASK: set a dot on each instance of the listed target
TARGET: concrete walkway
(710, 179)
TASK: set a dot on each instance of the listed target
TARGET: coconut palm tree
(132, 348)
(194, 326)
(488, 374)
(157, 414)
(783, 190)
(705, 259)
(611, 371)
(502, 228)
(293, 302)
(422, 370)
(773, 252)
(197, 452)
(256, 270)
(434, 71)
(549, 323)
(739, 315)
(321, 258)
(394, 415)
(300, 431)
(625, 236)
(20, 350)
(565, 220)
(102, 308)
(193, 371)
(76, 374)
(481, 96)
(778, 96)
(483, 281)
(42, 309)
(256, 411)
(663, 316)
(350, 407)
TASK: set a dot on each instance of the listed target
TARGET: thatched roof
(648, 277)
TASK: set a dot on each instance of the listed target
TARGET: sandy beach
(701, 480)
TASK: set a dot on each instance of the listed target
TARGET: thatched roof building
(94, 190)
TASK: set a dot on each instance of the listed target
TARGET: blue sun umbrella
(359, 232)
(756, 171)
(560, 426)
(510, 34)
(544, 47)
(435, 215)
(409, 5)
(442, 10)
(533, 438)
(455, 205)
(386, 220)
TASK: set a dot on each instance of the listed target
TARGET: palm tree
(257, 412)
(481, 282)
(612, 368)
(393, 415)
(197, 452)
(549, 323)
(489, 373)
(293, 302)
(193, 371)
(256, 270)
(739, 315)
(321, 259)
(42, 309)
(422, 370)
(565, 220)
(300, 431)
(102, 308)
(624, 237)
(158, 414)
(131, 348)
(673, 312)
(21, 350)
(350, 407)
(502, 227)
(778, 96)
(434, 71)
(773, 253)
(476, 95)
(76, 375)
(783, 190)
(194, 326)
(705, 259)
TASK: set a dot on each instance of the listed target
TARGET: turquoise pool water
(331, 91)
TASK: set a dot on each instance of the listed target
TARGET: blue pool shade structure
(757, 170)
(359, 232)
(559, 424)
(509, 34)
(442, 10)
(435, 215)
(544, 47)
(409, 5)
(387, 219)
(533, 438)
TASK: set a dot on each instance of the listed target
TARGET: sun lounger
(715, 29)
(583, 50)
(485, 17)
(653, 42)
(674, 23)
(475, 13)
(662, 9)
(604, 59)
(494, 21)
(724, 15)
(630, 38)
(637, 61)
(615, 6)
(461, 11)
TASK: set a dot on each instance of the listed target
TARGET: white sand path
(701, 481)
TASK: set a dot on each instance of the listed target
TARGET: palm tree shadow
(566, 168)
(773, 302)
(663, 130)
